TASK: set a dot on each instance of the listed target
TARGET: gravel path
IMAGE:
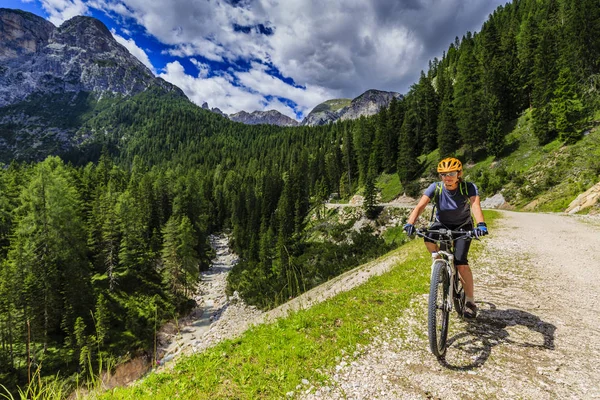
(537, 335)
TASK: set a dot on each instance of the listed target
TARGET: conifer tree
(102, 321)
(567, 107)
(468, 100)
(543, 87)
(447, 131)
(370, 198)
(394, 124)
(50, 253)
(495, 135)
(527, 42)
(380, 140)
(351, 170)
(334, 166)
(427, 109)
(408, 164)
(362, 140)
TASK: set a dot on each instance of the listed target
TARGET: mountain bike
(445, 290)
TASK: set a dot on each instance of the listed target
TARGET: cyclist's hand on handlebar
(480, 230)
(409, 229)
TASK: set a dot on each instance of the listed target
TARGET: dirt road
(537, 335)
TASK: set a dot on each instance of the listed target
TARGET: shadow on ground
(490, 330)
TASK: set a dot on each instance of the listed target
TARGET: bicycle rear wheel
(438, 313)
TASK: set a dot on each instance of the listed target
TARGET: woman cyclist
(455, 200)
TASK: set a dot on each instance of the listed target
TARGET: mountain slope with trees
(152, 175)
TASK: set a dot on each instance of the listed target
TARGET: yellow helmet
(449, 164)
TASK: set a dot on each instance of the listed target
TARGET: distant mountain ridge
(367, 104)
(54, 79)
(272, 117)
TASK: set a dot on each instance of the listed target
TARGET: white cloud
(233, 92)
(337, 48)
(218, 91)
(61, 10)
(203, 69)
(134, 49)
(260, 80)
(348, 46)
(111, 6)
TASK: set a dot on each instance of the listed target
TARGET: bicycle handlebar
(450, 234)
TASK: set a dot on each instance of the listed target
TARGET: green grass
(332, 105)
(539, 178)
(394, 235)
(270, 360)
(389, 186)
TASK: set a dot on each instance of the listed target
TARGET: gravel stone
(536, 336)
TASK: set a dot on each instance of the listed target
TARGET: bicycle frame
(446, 250)
(445, 292)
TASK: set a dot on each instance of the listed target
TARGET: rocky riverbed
(216, 316)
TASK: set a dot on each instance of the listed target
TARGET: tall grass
(52, 388)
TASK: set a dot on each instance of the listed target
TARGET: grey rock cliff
(326, 112)
(271, 117)
(368, 103)
(80, 55)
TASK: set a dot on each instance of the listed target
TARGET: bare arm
(412, 218)
(476, 209)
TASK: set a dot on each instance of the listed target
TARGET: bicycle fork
(448, 259)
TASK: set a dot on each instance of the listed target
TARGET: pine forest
(101, 245)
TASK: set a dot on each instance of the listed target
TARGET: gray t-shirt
(453, 208)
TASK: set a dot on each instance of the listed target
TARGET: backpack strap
(436, 198)
(463, 188)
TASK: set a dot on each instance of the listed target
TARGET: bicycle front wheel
(438, 313)
(459, 296)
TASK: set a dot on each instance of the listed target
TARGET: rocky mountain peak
(85, 32)
(22, 33)
(326, 112)
(271, 117)
(368, 103)
(79, 56)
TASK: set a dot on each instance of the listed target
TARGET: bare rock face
(367, 104)
(216, 110)
(271, 117)
(80, 55)
(587, 199)
(22, 34)
(496, 201)
(326, 112)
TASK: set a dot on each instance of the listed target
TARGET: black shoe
(470, 311)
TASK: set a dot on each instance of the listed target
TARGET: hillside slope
(365, 344)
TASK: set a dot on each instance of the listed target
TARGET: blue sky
(287, 55)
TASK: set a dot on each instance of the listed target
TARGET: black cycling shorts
(461, 246)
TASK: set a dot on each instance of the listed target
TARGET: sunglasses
(452, 174)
